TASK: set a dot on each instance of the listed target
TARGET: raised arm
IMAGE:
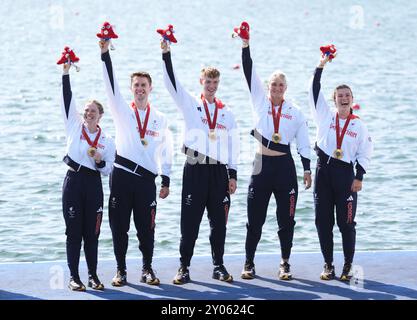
(181, 97)
(111, 85)
(69, 109)
(255, 84)
(318, 104)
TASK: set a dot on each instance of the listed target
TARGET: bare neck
(343, 116)
(210, 99)
(277, 101)
(92, 128)
(141, 105)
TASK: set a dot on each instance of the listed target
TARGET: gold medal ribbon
(276, 117)
(87, 138)
(340, 136)
(218, 104)
(142, 130)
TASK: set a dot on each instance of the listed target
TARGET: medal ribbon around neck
(87, 138)
(276, 117)
(211, 124)
(142, 130)
(339, 137)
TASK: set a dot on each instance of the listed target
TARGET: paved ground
(382, 275)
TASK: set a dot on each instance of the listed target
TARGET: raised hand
(324, 60)
(66, 67)
(104, 45)
(165, 46)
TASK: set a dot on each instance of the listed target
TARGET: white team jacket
(77, 146)
(357, 143)
(157, 155)
(226, 147)
(293, 124)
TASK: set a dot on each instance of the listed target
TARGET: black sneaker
(95, 283)
(284, 271)
(346, 272)
(220, 273)
(328, 272)
(248, 271)
(182, 276)
(120, 279)
(75, 284)
(148, 277)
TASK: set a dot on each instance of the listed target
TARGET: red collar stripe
(87, 138)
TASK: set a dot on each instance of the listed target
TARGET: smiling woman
(343, 98)
(33, 139)
(89, 153)
(92, 115)
(336, 185)
(278, 122)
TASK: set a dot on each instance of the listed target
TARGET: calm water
(377, 57)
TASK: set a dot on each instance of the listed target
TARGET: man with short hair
(211, 144)
(142, 138)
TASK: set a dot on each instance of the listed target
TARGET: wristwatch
(307, 171)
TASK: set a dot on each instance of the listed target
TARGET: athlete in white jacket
(144, 149)
(278, 122)
(89, 153)
(342, 140)
(211, 143)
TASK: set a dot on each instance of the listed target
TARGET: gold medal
(211, 122)
(338, 154)
(276, 137)
(91, 151)
(142, 129)
(212, 135)
(93, 145)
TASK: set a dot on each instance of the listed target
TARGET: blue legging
(271, 175)
(132, 192)
(82, 205)
(332, 188)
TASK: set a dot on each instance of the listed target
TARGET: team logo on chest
(155, 125)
